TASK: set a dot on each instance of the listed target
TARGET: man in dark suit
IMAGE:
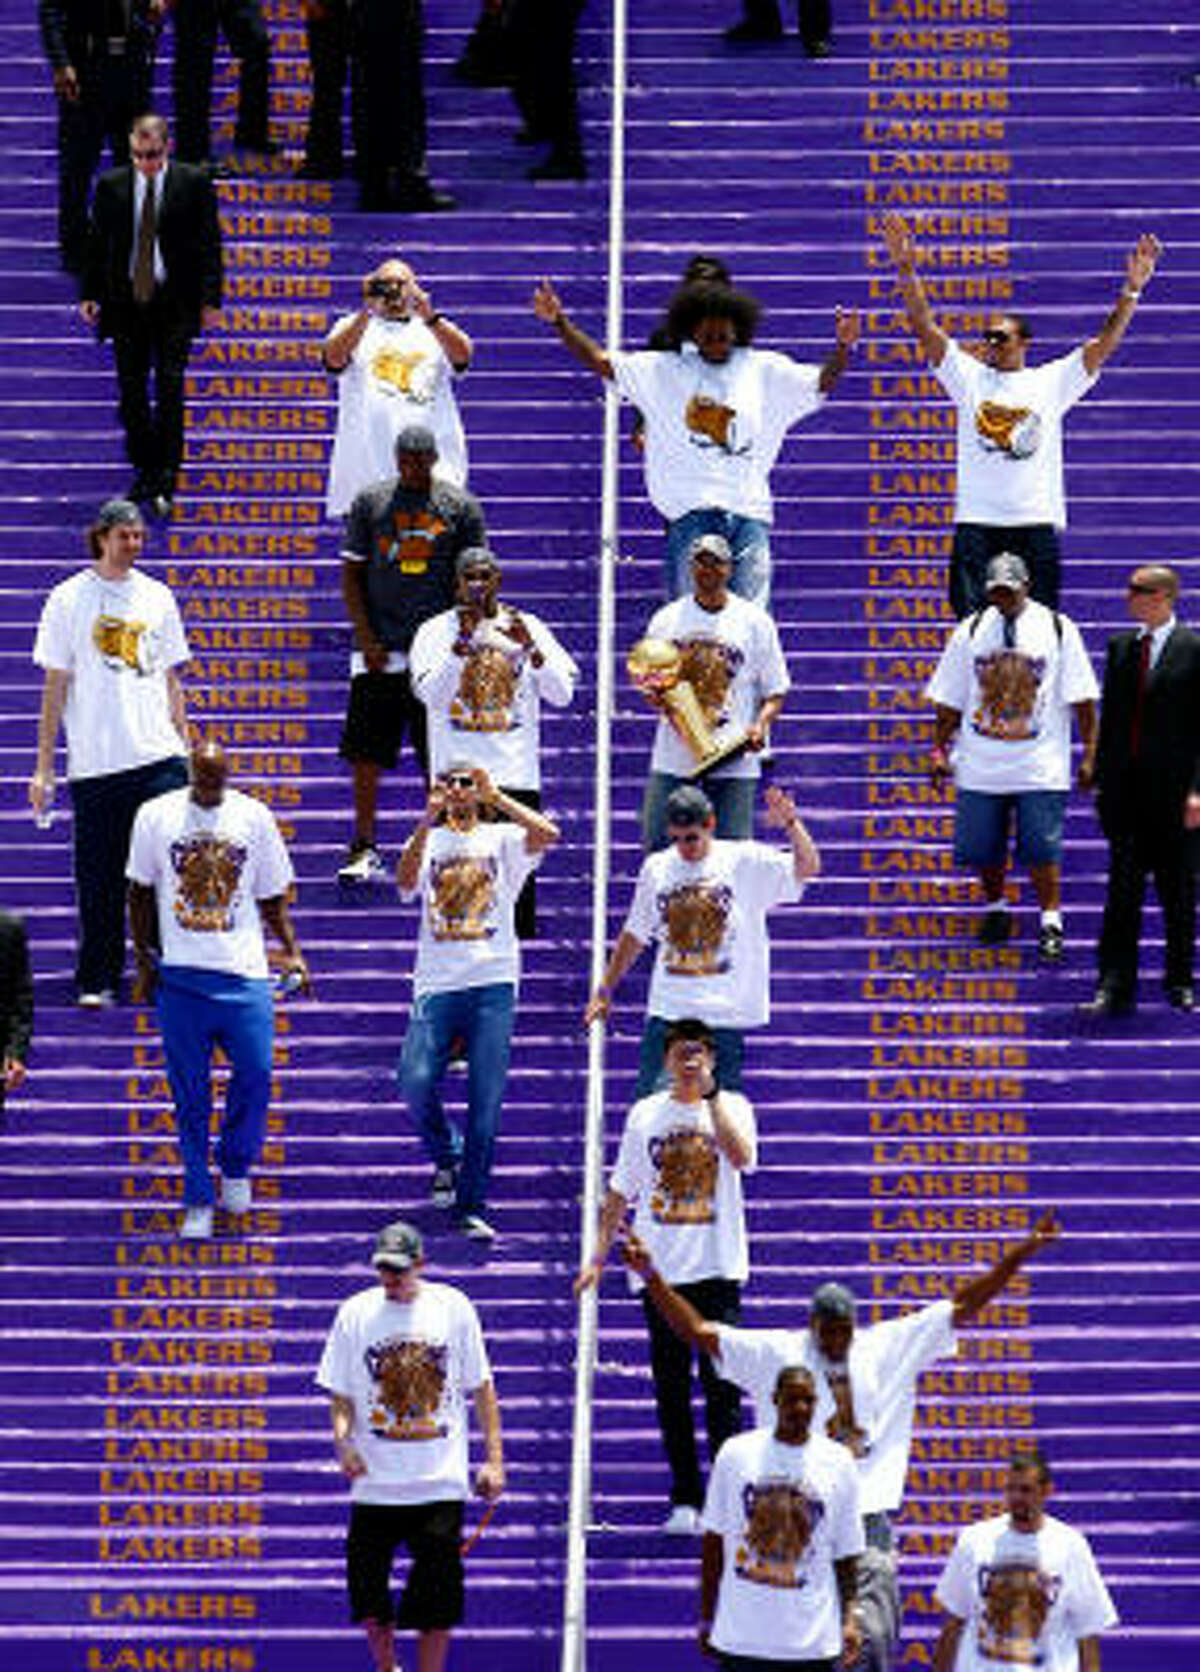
(102, 59)
(151, 279)
(1148, 790)
(16, 1004)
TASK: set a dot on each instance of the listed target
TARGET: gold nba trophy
(656, 668)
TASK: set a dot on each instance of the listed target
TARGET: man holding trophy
(712, 664)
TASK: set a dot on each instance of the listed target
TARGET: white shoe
(683, 1522)
(363, 865)
(197, 1224)
(475, 1226)
(101, 999)
(236, 1195)
(442, 1193)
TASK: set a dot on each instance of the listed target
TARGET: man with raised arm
(866, 1382)
(706, 902)
(1008, 451)
(680, 1166)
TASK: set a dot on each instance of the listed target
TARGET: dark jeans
(196, 25)
(720, 1299)
(105, 808)
(752, 1663)
(975, 544)
(153, 340)
(525, 909)
(112, 91)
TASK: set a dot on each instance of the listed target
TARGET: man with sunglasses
(1148, 790)
(395, 360)
(403, 1362)
(1008, 449)
(151, 279)
(467, 874)
(680, 1164)
(705, 902)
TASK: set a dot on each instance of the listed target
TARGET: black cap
(416, 438)
(398, 1244)
(687, 805)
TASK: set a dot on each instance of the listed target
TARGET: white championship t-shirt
(409, 1369)
(1015, 702)
(397, 375)
(484, 707)
(209, 868)
(785, 1514)
(870, 1401)
(714, 431)
(687, 1196)
(1026, 1598)
(709, 919)
(1009, 450)
(732, 659)
(468, 886)
(116, 639)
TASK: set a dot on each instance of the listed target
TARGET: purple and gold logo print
(208, 870)
(1008, 688)
(407, 375)
(685, 1190)
(696, 916)
(710, 668)
(462, 894)
(1015, 431)
(780, 1523)
(125, 646)
(409, 1378)
(1016, 1600)
(486, 691)
(711, 424)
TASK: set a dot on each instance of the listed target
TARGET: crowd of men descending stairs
(798, 1561)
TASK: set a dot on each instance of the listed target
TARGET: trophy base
(719, 757)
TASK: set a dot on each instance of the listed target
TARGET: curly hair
(702, 300)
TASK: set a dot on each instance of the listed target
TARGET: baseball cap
(1005, 569)
(398, 1244)
(115, 512)
(711, 545)
(416, 438)
(834, 1300)
(475, 557)
(687, 805)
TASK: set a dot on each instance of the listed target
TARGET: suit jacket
(76, 31)
(1149, 793)
(16, 990)
(189, 239)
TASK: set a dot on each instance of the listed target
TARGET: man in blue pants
(207, 867)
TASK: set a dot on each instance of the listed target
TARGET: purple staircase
(172, 1501)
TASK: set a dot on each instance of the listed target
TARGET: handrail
(574, 1638)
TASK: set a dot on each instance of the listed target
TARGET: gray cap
(687, 805)
(1007, 570)
(834, 1300)
(476, 557)
(398, 1244)
(714, 545)
(416, 438)
(115, 513)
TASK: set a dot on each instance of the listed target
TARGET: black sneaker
(1050, 943)
(995, 927)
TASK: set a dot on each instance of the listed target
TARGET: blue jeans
(652, 1069)
(197, 1010)
(749, 541)
(483, 1018)
(732, 802)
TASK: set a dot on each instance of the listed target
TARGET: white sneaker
(363, 865)
(197, 1224)
(101, 999)
(236, 1195)
(475, 1226)
(683, 1522)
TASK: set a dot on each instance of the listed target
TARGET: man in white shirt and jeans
(1008, 449)
(1006, 686)
(1022, 1589)
(207, 868)
(401, 1364)
(683, 1152)
(866, 1382)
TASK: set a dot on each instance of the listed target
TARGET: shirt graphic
(487, 690)
(1008, 688)
(462, 897)
(1013, 430)
(410, 375)
(710, 668)
(710, 423)
(684, 1191)
(208, 871)
(126, 645)
(696, 916)
(410, 541)
(780, 1522)
(409, 1379)
(1016, 1596)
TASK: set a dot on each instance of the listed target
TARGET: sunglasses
(997, 339)
(1146, 588)
(459, 781)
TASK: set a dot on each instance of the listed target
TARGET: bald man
(207, 868)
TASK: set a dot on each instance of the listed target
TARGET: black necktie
(1145, 645)
(143, 261)
(1010, 633)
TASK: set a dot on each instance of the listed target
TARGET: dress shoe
(1107, 1004)
(560, 165)
(1181, 998)
(417, 197)
(321, 168)
(818, 49)
(141, 489)
(747, 33)
(995, 927)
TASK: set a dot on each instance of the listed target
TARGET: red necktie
(1145, 644)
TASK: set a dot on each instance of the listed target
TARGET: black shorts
(433, 1597)
(381, 710)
